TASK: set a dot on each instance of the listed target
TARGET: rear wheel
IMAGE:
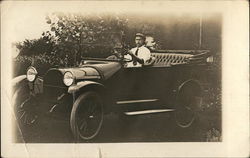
(188, 102)
(87, 116)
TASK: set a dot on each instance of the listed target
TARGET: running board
(148, 111)
(136, 101)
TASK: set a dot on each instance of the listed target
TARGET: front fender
(18, 81)
(80, 85)
(84, 86)
(36, 86)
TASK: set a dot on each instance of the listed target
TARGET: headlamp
(68, 78)
(31, 74)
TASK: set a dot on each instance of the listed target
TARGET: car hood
(91, 69)
(105, 68)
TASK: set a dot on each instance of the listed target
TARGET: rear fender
(194, 83)
(195, 87)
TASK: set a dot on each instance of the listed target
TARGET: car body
(172, 81)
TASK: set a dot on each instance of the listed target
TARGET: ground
(159, 127)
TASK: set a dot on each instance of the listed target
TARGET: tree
(43, 45)
(78, 35)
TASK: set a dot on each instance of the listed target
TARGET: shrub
(41, 62)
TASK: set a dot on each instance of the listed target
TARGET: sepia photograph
(92, 74)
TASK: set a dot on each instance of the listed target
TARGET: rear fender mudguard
(195, 86)
(192, 82)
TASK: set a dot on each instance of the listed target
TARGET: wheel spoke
(89, 106)
(30, 118)
(93, 108)
(25, 119)
(85, 128)
(21, 110)
(84, 123)
(22, 115)
(22, 105)
(89, 120)
(96, 114)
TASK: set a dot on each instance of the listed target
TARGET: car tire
(188, 101)
(87, 111)
(24, 107)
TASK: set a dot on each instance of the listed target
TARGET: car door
(132, 83)
(140, 87)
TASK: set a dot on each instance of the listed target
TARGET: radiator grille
(53, 85)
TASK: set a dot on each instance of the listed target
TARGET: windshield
(103, 52)
(104, 46)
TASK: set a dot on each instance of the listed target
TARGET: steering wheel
(125, 52)
(127, 60)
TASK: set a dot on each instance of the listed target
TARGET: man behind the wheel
(140, 54)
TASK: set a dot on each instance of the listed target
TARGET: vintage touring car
(84, 94)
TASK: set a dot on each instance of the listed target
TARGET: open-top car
(172, 81)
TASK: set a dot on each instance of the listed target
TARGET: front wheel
(87, 116)
(25, 108)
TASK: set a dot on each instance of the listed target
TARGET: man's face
(139, 41)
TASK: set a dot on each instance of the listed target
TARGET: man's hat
(140, 35)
